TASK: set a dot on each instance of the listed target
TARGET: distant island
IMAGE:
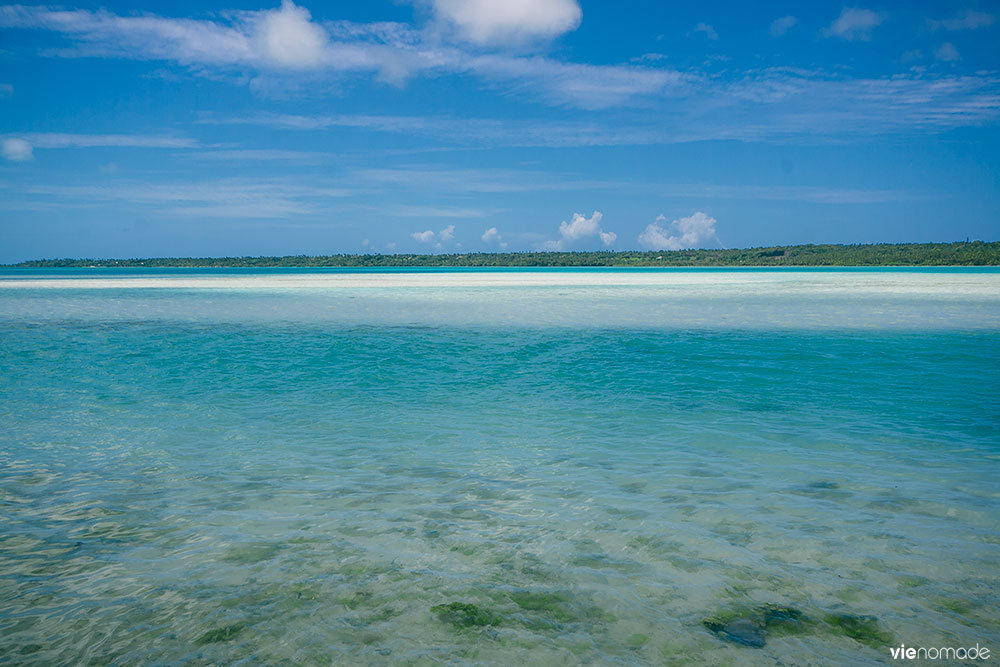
(975, 253)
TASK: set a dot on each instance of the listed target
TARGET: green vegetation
(750, 625)
(554, 605)
(220, 634)
(466, 615)
(862, 629)
(976, 253)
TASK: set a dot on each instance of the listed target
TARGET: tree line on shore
(975, 253)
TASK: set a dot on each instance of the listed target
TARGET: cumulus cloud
(580, 228)
(947, 52)
(967, 20)
(708, 30)
(783, 25)
(289, 38)
(491, 235)
(428, 236)
(486, 21)
(16, 150)
(690, 232)
(854, 23)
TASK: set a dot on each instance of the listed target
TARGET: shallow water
(297, 474)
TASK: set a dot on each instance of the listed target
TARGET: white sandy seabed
(737, 299)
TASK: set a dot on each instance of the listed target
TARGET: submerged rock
(743, 631)
(738, 629)
(750, 626)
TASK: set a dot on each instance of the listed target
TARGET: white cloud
(6, 90)
(286, 39)
(773, 104)
(16, 150)
(854, 23)
(486, 21)
(575, 84)
(708, 30)
(64, 140)
(289, 38)
(283, 38)
(260, 154)
(579, 228)
(491, 235)
(427, 236)
(682, 233)
(783, 25)
(413, 211)
(235, 198)
(947, 52)
(967, 20)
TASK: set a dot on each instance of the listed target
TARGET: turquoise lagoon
(308, 467)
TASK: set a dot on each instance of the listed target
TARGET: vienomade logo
(902, 652)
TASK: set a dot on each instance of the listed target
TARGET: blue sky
(174, 128)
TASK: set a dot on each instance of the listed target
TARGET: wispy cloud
(458, 131)
(288, 41)
(797, 193)
(284, 38)
(708, 31)
(416, 211)
(64, 140)
(947, 52)
(286, 44)
(781, 26)
(574, 84)
(968, 19)
(232, 198)
(855, 23)
(260, 155)
(770, 105)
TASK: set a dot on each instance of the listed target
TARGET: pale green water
(264, 473)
